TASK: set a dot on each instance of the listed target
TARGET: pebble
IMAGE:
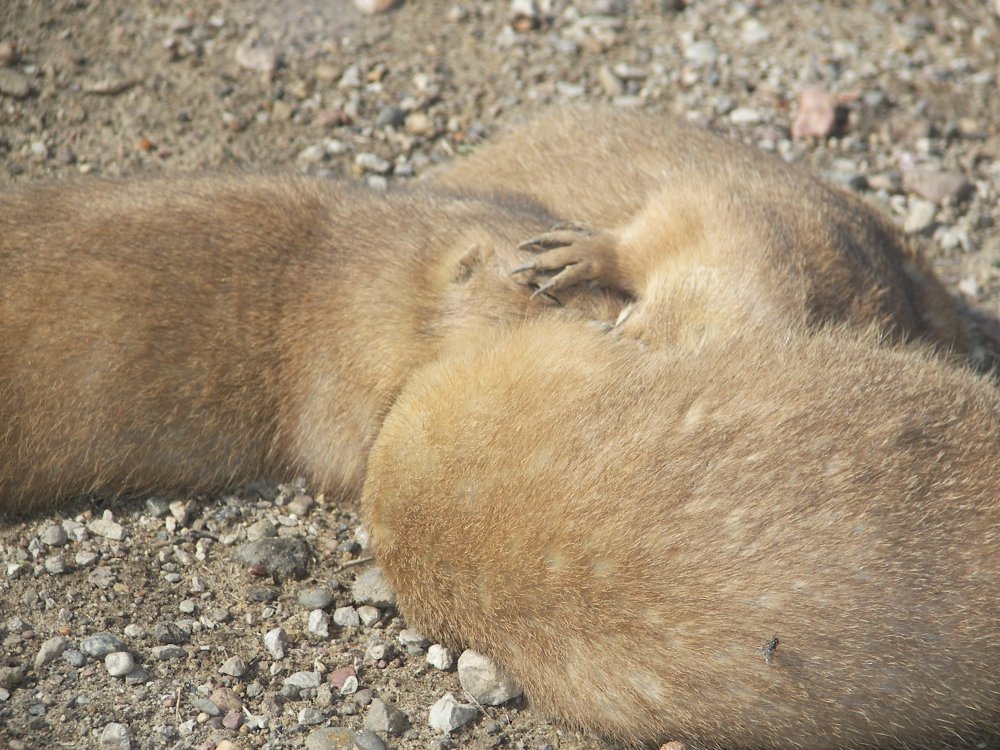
(371, 588)
(440, 657)
(74, 657)
(413, 639)
(368, 740)
(234, 666)
(276, 642)
(262, 529)
(330, 738)
(169, 632)
(135, 631)
(107, 528)
(206, 705)
(14, 84)
(54, 536)
(484, 680)
(816, 115)
(745, 116)
(281, 559)
(168, 653)
(339, 676)
(372, 7)
(304, 680)
(138, 676)
(310, 716)
(937, 186)
(114, 736)
(233, 720)
(11, 677)
(754, 32)
(370, 162)
(385, 717)
(100, 645)
(701, 53)
(448, 714)
(350, 686)
(227, 745)
(49, 650)
(258, 58)
(417, 123)
(102, 577)
(317, 598)
(55, 565)
(119, 663)
(347, 617)
(920, 216)
(319, 623)
(85, 557)
(369, 615)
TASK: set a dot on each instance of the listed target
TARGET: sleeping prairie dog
(677, 200)
(188, 333)
(787, 540)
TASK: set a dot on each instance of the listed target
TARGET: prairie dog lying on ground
(678, 201)
(188, 333)
(781, 540)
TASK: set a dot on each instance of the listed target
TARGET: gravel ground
(150, 622)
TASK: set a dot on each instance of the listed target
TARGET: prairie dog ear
(477, 255)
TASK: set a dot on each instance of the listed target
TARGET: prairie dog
(188, 333)
(788, 540)
(674, 200)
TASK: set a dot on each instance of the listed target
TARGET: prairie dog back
(627, 531)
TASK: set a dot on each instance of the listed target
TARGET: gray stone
(262, 529)
(168, 653)
(114, 736)
(102, 577)
(448, 714)
(205, 705)
(55, 565)
(49, 650)
(14, 84)
(169, 632)
(371, 588)
(369, 615)
(119, 663)
(920, 217)
(347, 617)
(315, 598)
(319, 623)
(330, 738)
(368, 740)
(54, 536)
(484, 680)
(74, 657)
(138, 676)
(373, 163)
(281, 559)
(100, 645)
(304, 680)
(385, 717)
(310, 717)
(107, 528)
(276, 643)
(937, 185)
(11, 677)
(234, 666)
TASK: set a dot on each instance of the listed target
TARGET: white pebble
(276, 641)
(319, 623)
(369, 615)
(114, 736)
(119, 663)
(448, 714)
(440, 657)
(484, 680)
(346, 617)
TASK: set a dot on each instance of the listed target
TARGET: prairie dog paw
(567, 255)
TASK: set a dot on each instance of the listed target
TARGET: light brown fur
(185, 334)
(676, 200)
(626, 528)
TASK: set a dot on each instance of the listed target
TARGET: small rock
(55, 565)
(227, 699)
(276, 642)
(74, 657)
(319, 623)
(410, 638)
(138, 676)
(100, 645)
(107, 528)
(206, 706)
(281, 559)
(754, 32)
(168, 653)
(135, 631)
(347, 617)
(234, 666)
(157, 507)
(227, 745)
(920, 216)
(8, 53)
(262, 529)
(368, 740)
(259, 58)
(390, 116)
(417, 123)
(440, 657)
(119, 663)
(372, 7)
(369, 162)
(49, 650)
(317, 598)
(385, 717)
(14, 84)
(448, 714)
(169, 632)
(371, 588)
(304, 680)
(350, 686)
(310, 717)
(701, 53)
(369, 615)
(816, 115)
(114, 736)
(262, 594)
(233, 720)
(338, 676)
(937, 186)
(484, 680)
(84, 558)
(745, 116)
(54, 536)
(11, 677)
(103, 577)
(330, 738)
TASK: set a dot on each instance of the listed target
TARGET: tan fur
(627, 528)
(187, 333)
(679, 201)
